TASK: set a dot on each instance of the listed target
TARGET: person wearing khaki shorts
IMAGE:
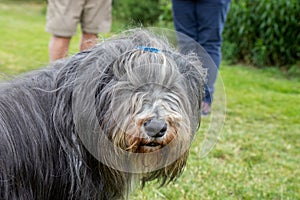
(63, 16)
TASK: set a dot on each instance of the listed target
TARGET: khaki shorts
(63, 16)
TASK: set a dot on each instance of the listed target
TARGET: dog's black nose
(155, 127)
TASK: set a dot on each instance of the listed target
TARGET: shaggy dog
(94, 125)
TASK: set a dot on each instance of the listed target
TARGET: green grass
(258, 153)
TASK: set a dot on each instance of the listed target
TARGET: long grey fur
(41, 153)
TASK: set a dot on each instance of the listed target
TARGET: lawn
(257, 155)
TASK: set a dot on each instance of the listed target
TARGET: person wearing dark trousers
(203, 21)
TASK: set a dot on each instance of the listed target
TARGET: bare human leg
(88, 40)
(58, 47)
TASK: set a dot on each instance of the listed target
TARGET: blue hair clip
(150, 49)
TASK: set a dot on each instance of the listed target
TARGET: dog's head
(153, 101)
(147, 99)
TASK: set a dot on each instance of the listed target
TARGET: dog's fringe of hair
(42, 156)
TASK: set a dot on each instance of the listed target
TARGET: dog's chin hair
(167, 174)
(43, 150)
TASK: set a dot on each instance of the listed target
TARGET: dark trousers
(203, 21)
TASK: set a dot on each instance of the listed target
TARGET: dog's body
(144, 102)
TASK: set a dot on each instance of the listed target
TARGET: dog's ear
(194, 78)
(87, 75)
(195, 81)
(103, 91)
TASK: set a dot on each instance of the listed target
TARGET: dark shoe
(205, 108)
